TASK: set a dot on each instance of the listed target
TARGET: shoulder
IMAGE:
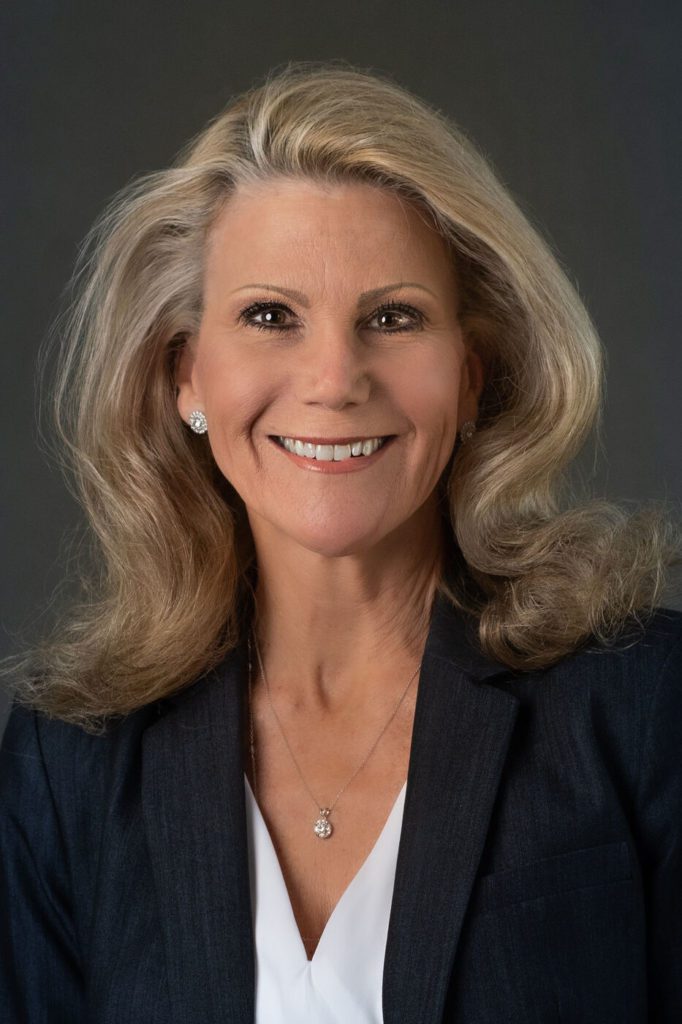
(621, 700)
(33, 735)
(50, 767)
(644, 656)
(638, 675)
(641, 650)
(637, 655)
(60, 787)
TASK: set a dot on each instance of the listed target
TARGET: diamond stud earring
(468, 430)
(197, 421)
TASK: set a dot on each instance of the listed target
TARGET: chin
(337, 550)
(335, 540)
(337, 547)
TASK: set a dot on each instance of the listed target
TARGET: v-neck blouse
(343, 981)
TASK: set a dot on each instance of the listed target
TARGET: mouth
(331, 452)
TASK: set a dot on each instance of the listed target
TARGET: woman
(360, 722)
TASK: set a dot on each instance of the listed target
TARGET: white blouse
(343, 981)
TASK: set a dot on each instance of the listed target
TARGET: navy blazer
(539, 872)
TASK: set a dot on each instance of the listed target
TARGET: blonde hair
(173, 548)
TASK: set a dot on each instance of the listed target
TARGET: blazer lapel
(195, 817)
(460, 738)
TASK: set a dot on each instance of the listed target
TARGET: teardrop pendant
(323, 827)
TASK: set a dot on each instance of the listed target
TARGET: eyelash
(386, 307)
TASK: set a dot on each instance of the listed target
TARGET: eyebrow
(373, 293)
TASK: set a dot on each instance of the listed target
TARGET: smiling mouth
(337, 451)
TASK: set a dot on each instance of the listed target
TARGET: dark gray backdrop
(576, 104)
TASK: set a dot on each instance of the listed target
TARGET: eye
(389, 311)
(274, 317)
(272, 313)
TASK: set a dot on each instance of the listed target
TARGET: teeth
(331, 452)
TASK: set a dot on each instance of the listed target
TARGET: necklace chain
(322, 826)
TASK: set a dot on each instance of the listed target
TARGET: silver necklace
(322, 826)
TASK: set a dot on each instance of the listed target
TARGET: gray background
(576, 104)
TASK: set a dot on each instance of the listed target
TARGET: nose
(335, 369)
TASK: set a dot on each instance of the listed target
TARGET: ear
(188, 394)
(471, 386)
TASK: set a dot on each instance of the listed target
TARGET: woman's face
(330, 316)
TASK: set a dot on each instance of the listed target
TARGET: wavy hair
(172, 546)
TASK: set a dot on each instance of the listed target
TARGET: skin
(347, 562)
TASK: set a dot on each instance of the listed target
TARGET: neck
(337, 634)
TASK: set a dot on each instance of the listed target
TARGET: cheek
(235, 393)
(431, 391)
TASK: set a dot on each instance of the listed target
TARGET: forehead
(347, 227)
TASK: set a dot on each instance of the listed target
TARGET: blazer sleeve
(659, 824)
(40, 975)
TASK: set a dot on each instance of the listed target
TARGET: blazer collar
(195, 819)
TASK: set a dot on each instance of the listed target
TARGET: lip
(352, 465)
